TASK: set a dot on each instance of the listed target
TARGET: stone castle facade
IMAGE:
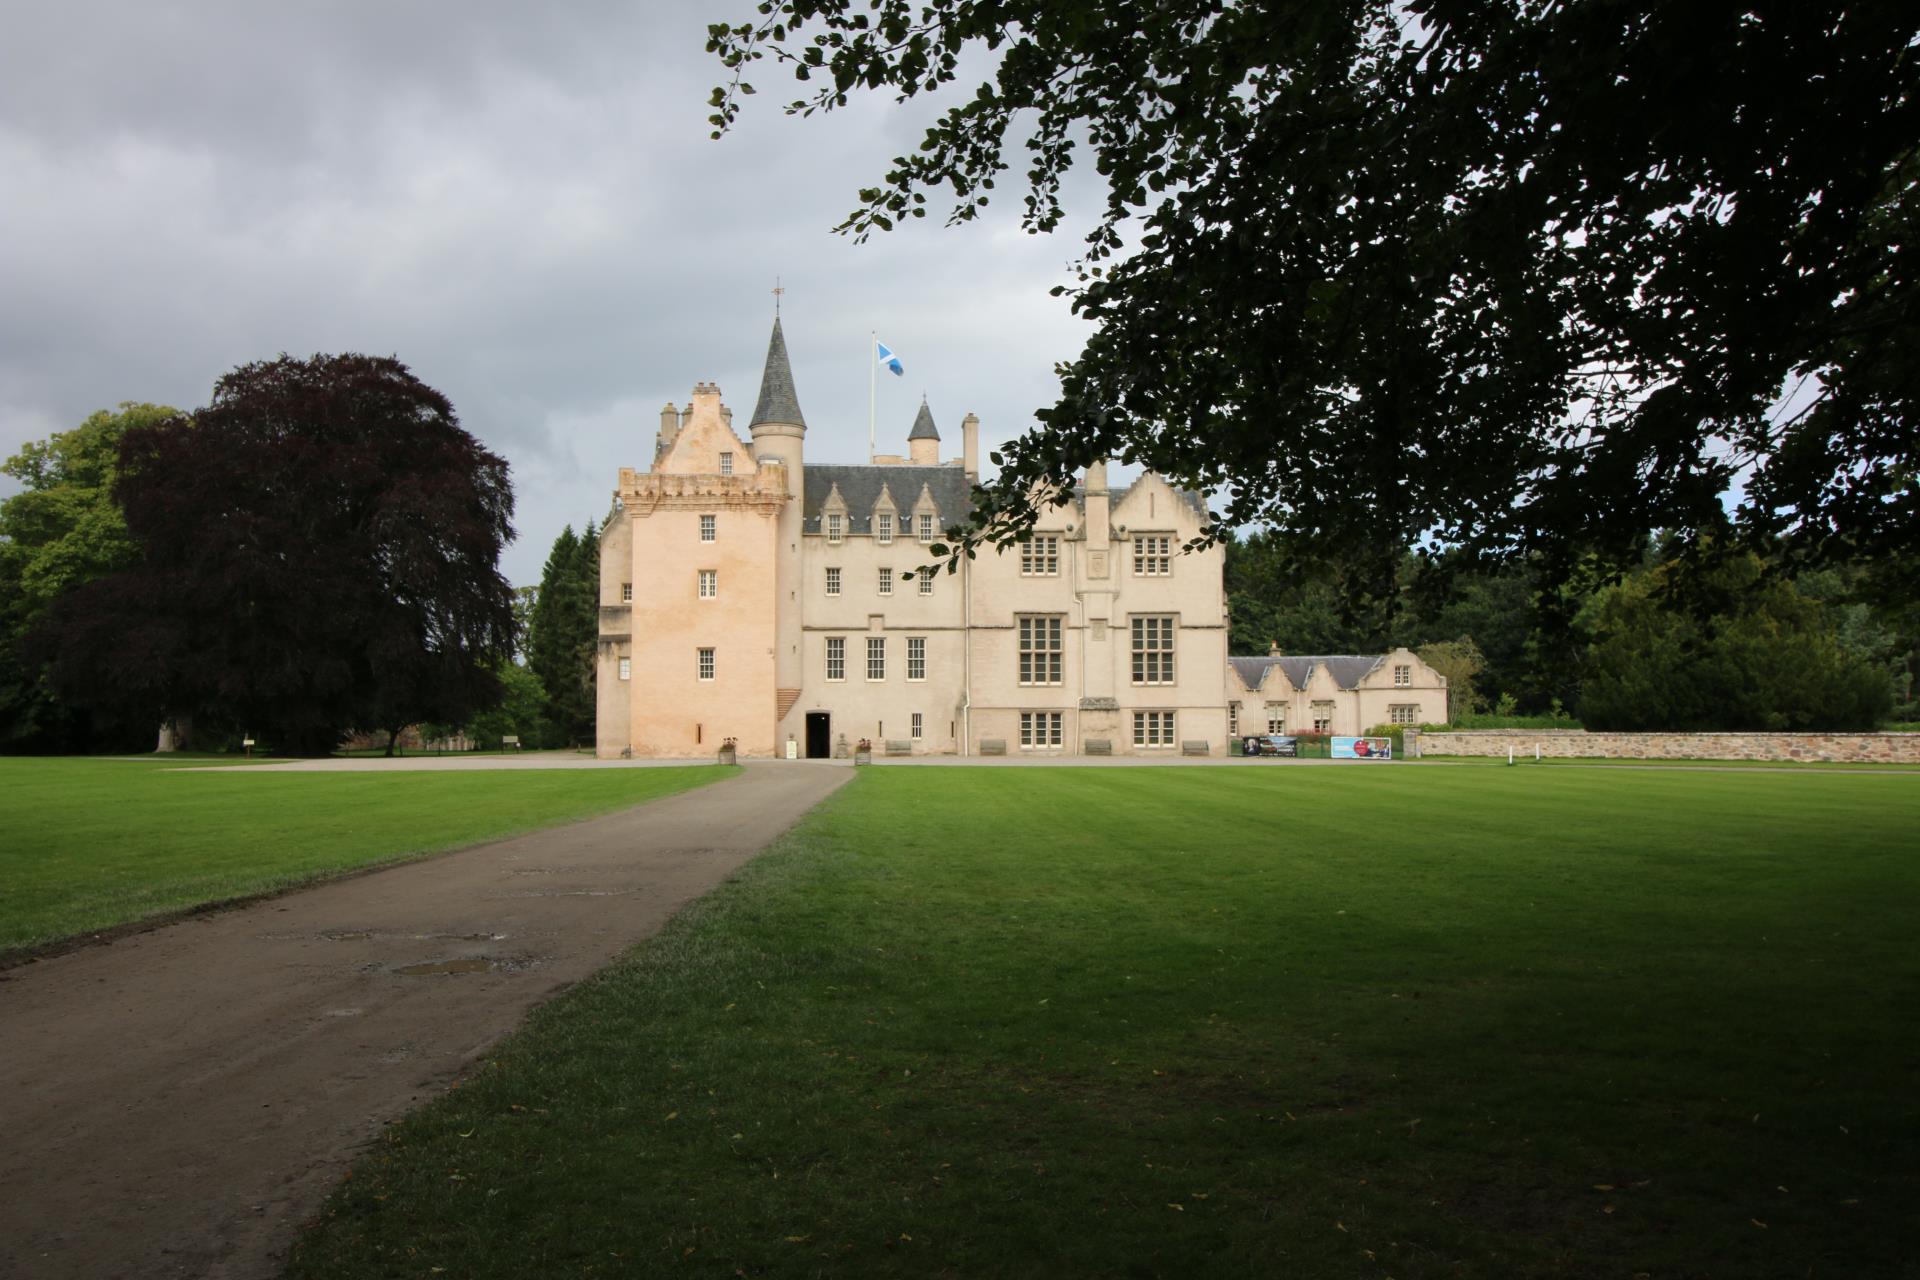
(795, 609)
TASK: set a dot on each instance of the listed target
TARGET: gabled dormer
(884, 520)
(926, 516)
(834, 521)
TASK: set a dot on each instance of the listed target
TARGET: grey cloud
(524, 206)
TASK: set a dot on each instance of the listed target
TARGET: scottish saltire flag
(890, 360)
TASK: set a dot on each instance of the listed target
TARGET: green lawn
(86, 844)
(1378, 1022)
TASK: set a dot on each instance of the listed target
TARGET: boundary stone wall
(1835, 748)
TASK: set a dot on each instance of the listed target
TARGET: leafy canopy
(61, 530)
(317, 551)
(1529, 276)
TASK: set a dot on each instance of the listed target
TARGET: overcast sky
(522, 206)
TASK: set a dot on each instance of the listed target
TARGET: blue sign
(1363, 748)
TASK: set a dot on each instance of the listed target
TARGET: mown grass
(1524, 756)
(1373, 1022)
(89, 844)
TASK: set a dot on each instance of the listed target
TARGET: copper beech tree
(317, 551)
(1530, 277)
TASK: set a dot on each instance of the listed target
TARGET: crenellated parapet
(761, 490)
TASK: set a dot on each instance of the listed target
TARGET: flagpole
(873, 373)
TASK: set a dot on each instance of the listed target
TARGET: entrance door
(819, 735)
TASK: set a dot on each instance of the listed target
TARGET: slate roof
(860, 487)
(923, 428)
(778, 401)
(1347, 669)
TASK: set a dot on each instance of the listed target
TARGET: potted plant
(728, 751)
(863, 752)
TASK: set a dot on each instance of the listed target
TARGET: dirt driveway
(179, 1102)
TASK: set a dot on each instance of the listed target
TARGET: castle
(794, 609)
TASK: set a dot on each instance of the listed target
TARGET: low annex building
(1344, 694)
(789, 606)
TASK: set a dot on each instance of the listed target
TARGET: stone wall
(1842, 748)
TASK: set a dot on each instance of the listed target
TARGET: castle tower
(779, 435)
(923, 442)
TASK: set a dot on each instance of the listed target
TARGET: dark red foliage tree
(318, 553)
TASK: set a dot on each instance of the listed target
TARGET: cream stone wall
(1097, 594)
(879, 710)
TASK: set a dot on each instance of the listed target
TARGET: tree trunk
(175, 735)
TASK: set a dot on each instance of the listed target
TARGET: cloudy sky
(524, 207)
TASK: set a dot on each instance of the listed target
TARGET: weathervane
(777, 291)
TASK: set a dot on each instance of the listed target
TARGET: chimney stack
(970, 446)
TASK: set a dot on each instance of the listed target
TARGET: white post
(1509, 753)
(873, 373)
(1536, 753)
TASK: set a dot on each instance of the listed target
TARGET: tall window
(626, 593)
(706, 664)
(709, 583)
(726, 464)
(1040, 649)
(1153, 728)
(836, 526)
(926, 526)
(1233, 719)
(1153, 555)
(1402, 677)
(919, 726)
(883, 527)
(916, 657)
(833, 579)
(876, 657)
(707, 524)
(1276, 717)
(626, 668)
(926, 581)
(1404, 713)
(886, 581)
(1039, 729)
(1040, 556)
(836, 657)
(1153, 650)
(1323, 717)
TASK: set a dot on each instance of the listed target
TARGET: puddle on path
(375, 935)
(473, 965)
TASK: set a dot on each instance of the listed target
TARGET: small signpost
(248, 744)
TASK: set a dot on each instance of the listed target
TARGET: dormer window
(926, 526)
(836, 526)
(883, 527)
(726, 464)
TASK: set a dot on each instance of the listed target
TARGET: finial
(777, 291)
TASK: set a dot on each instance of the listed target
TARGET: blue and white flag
(890, 360)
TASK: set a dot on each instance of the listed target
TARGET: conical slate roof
(923, 428)
(778, 403)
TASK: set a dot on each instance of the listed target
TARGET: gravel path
(180, 1101)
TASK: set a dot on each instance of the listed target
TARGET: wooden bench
(510, 743)
(993, 746)
(1196, 747)
(895, 747)
(1099, 746)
